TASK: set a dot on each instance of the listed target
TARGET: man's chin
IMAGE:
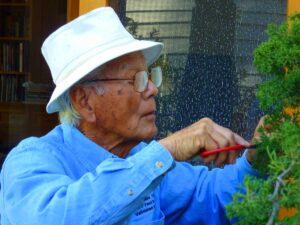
(151, 133)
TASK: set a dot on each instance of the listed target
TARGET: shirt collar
(88, 152)
(136, 149)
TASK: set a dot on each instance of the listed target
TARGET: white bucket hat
(86, 43)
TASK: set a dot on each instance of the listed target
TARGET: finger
(221, 158)
(221, 140)
(213, 141)
(240, 140)
(209, 158)
(228, 135)
(232, 137)
(203, 120)
(210, 144)
(257, 134)
(232, 155)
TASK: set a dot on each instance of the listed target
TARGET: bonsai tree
(278, 152)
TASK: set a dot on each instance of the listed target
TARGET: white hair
(68, 114)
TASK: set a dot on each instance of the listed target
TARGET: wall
(88, 5)
(293, 6)
(79, 7)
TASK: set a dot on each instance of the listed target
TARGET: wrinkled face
(120, 110)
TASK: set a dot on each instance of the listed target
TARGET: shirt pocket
(160, 220)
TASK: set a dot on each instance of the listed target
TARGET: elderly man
(100, 166)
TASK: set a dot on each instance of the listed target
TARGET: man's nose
(151, 90)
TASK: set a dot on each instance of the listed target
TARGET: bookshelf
(15, 38)
(25, 79)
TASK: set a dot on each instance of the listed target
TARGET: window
(207, 61)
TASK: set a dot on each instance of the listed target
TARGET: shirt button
(159, 164)
(130, 192)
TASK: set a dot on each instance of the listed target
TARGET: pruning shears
(229, 148)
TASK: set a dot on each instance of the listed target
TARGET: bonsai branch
(274, 197)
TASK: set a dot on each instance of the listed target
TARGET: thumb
(240, 140)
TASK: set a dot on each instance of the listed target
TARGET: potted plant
(274, 197)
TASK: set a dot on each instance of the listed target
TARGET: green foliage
(251, 202)
(277, 158)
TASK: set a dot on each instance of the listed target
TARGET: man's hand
(256, 137)
(203, 135)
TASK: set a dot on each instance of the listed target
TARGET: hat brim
(150, 49)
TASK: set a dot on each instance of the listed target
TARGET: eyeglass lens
(156, 76)
(141, 79)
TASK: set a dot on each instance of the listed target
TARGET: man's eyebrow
(129, 66)
(126, 66)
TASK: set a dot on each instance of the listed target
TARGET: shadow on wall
(209, 85)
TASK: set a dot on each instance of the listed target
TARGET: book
(20, 57)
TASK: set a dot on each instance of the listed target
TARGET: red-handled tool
(229, 148)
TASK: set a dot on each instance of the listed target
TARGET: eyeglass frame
(149, 76)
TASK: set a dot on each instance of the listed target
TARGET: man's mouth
(150, 114)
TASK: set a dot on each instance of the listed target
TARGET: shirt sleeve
(36, 189)
(195, 195)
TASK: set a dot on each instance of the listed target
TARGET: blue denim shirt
(65, 178)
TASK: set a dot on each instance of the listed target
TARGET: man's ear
(82, 100)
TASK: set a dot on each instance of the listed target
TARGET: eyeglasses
(140, 79)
